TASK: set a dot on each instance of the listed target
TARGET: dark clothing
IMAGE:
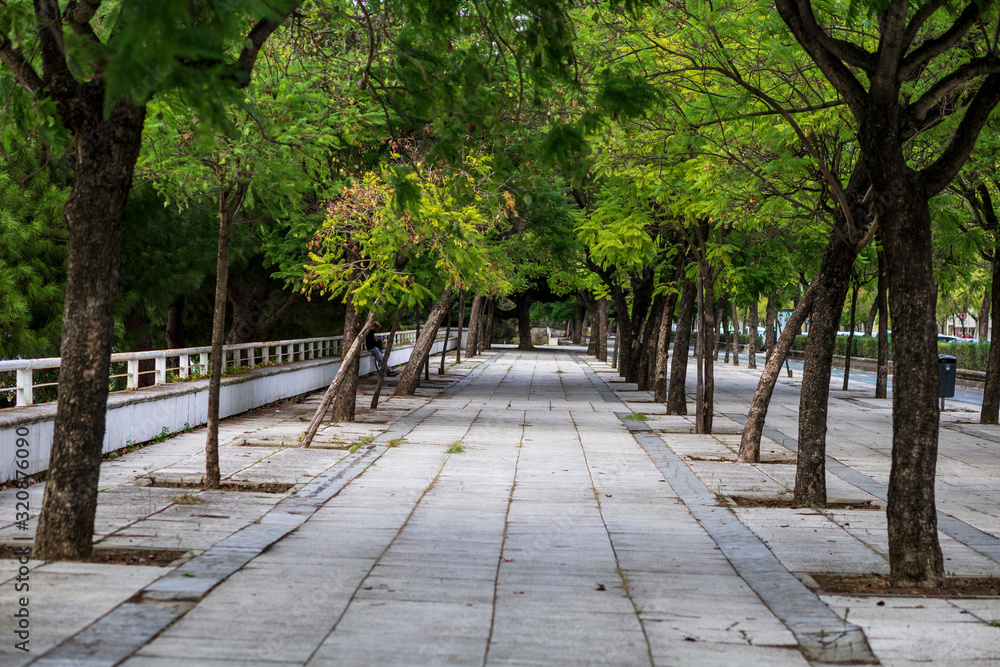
(372, 341)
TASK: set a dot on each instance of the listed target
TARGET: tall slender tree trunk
(94, 215)
(618, 335)
(750, 442)
(855, 288)
(475, 323)
(983, 319)
(706, 335)
(828, 305)
(676, 397)
(409, 379)
(770, 321)
(603, 308)
(447, 336)
(736, 336)
(461, 319)
(663, 349)
(752, 326)
(490, 321)
(882, 368)
(230, 203)
(990, 411)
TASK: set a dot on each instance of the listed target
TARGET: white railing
(186, 363)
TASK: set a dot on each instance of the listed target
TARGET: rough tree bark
(770, 321)
(848, 353)
(174, 332)
(447, 337)
(882, 369)
(676, 397)
(524, 302)
(736, 336)
(754, 427)
(752, 325)
(990, 411)
(409, 379)
(461, 320)
(475, 324)
(345, 402)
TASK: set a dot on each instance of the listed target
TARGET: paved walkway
(510, 516)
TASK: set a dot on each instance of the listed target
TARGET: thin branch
(935, 47)
(23, 72)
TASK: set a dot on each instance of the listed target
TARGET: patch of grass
(637, 417)
(361, 443)
(395, 442)
(455, 449)
(524, 424)
(995, 623)
(560, 371)
(164, 434)
(188, 499)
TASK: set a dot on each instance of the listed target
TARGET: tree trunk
(136, 323)
(706, 335)
(990, 411)
(914, 551)
(604, 311)
(663, 349)
(736, 336)
(882, 370)
(770, 320)
(618, 335)
(230, 203)
(752, 325)
(676, 398)
(983, 319)
(174, 333)
(447, 337)
(410, 377)
(475, 323)
(345, 402)
(828, 303)
(347, 359)
(106, 152)
(848, 353)
(750, 442)
(870, 320)
(461, 320)
(486, 322)
(490, 321)
(524, 302)
(578, 324)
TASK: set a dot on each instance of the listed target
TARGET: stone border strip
(985, 544)
(116, 636)
(822, 636)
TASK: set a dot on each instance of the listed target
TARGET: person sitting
(373, 344)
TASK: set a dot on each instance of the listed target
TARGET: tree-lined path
(517, 519)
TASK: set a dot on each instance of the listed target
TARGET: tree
(96, 70)
(894, 92)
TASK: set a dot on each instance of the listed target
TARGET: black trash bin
(946, 375)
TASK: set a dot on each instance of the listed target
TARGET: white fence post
(161, 370)
(25, 387)
(133, 374)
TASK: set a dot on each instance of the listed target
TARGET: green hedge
(971, 356)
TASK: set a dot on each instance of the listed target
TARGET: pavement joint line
(614, 551)
(503, 543)
(375, 564)
(117, 635)
(979, 541)
(823, 637)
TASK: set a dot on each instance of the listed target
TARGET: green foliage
(32, 253)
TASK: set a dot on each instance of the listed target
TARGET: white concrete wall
(142, 414)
